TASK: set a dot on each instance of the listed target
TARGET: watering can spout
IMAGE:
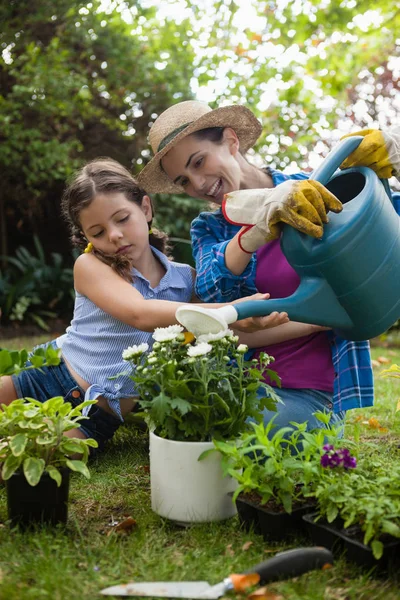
(313, 302)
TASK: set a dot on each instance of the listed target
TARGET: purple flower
(337, 458)
(328, 447)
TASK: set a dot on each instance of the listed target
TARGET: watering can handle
(335, 158)
(332, 162)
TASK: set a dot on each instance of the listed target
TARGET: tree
(78, 81)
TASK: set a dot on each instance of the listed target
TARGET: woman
(200, 152)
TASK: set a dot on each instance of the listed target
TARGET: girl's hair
(104, 176)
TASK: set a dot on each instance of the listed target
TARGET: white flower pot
(185, 489)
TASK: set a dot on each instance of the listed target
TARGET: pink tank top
(305, 362)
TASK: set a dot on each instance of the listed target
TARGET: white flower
(167, 334)
(133, 351)
(152, 360)
(213, 337)
(242, 348)
(199, 349)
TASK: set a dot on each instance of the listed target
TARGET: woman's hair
(104, 176)
(213, 134)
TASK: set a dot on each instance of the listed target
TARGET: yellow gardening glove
(380, 151)
(301, 204)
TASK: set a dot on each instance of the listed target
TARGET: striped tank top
(94, 341)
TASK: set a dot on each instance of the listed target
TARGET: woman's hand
(302, 204)
(252, 324)
(380, 151)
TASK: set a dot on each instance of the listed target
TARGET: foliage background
(85, 79)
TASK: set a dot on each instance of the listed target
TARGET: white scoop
(199, 320)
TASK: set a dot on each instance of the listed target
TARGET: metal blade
(164, 589)
(215, 591)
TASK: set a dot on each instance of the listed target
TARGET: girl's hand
(252, 324)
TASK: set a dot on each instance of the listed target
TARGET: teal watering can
(349, 279)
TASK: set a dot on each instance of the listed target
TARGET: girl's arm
(115, 296)
(282, 333)
(110, 292)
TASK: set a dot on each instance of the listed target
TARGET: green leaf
(332, 513)
(18, 443)
(33, 470)
(377, 549)
(79, 466)
(183, 406)
(5, 362)
(206, 453)
(91, 442)
(11, 464)
(160, 408)
(54, 474)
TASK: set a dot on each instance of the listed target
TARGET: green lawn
(90, 554)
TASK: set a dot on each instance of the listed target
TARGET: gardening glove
(380, 151)
(301, 204)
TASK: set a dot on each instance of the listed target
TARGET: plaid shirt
(210, 233)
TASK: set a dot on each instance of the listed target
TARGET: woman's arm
(211, 234)
(282, 333)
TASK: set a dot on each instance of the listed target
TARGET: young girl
(125, 287)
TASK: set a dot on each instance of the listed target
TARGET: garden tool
(283, 565)
(349, 278)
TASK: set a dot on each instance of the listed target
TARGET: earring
(88, 248)
(150, 231)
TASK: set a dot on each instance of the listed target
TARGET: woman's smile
(215, 191)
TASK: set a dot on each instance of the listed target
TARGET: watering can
(349, 278)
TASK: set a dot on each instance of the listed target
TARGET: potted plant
(191, 393)
(275, 471)
(358, 509)
(34, 452)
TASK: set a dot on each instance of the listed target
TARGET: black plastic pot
(43, 503)
(323, 534)
(334, 537)
(272, 525)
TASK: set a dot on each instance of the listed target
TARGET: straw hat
(185, 118)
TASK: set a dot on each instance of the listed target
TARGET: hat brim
(154, 180)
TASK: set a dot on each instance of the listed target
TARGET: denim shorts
(57, 381)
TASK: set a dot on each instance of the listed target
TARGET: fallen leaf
(383, 360)
(229, 551)
(125, 526)
(375, 363)
(247, 545)
(264, 594)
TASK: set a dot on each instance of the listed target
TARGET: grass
(90, 555)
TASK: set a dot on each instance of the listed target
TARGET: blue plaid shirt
(211, 233)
